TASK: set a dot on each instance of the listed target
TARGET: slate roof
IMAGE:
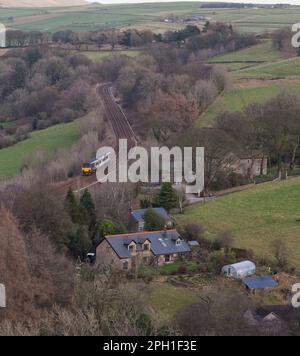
(162, 242)
(262, 313)
(193, 243)
(285, 312)
(260, 282)
(138, 215)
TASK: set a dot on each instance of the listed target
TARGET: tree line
(215, 36)
(269, 130)
(282, 41)
(164, 100)
(41, 87)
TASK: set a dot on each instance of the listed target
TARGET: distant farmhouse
(251, 166)
(128, 251)
(180, 19)
(247, 165)
(137, 222)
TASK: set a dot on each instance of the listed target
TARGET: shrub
(194, 231)
(218, 259)
(182, 270)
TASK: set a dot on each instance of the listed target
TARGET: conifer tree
(81, 243)
(88, 211)
(167, 197)
(72, 207)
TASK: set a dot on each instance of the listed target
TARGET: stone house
(251, 166)
(137, 222)
(127, 251)
(247, 166)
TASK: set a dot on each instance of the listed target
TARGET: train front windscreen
(87, 169)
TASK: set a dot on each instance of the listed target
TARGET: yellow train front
(90, 167)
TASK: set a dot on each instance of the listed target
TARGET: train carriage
(91, 166)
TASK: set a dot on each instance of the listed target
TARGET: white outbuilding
(239, 270)
(2, 36)
(2, 296)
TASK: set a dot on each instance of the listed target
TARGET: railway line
(114, 113)
(121, 128)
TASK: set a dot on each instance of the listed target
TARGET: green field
(168, 299)
(258, 20)
(93, 17)
(55, 137)
(281, 69)
(256, 217)
(266, 66)
(98, 56)
(237, 99)
(249, 57)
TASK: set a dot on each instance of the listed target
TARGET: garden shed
(2, 36)
(2, 296)
(254, 283)
(239, 270)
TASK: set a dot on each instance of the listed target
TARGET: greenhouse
(239, 270)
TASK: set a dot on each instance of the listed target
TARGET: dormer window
(146, 246)
(132, 247)
(178, 242)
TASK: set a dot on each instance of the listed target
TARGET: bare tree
(280, 253)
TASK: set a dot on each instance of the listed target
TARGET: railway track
(120, 125)
(114, 113)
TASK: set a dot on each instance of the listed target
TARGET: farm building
(247, 165)
(251, 166)
(255, 283)
(2, 296)
(194, 244)
(267, 322)
(2, 36)
(239, 270)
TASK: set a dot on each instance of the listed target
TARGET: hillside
(259, 73)
(40, 3)
(256, 217)
(141, 16)
(53, 138)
